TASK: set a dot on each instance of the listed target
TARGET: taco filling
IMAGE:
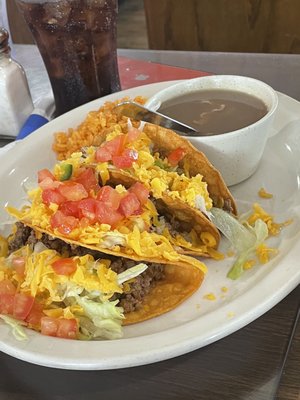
(126, 221)
(74, 292)
(166, 163)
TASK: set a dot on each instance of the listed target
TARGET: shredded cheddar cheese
(210, 297)
(264, 194)
(273, 227)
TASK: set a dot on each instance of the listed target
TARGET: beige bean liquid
(212, 112)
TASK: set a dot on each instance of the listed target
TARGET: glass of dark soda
(77, 40)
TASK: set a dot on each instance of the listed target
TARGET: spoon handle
(140, 113)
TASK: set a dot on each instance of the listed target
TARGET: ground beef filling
(139, 288)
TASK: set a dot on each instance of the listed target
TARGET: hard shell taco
(70, 204)
(69, 291)
(177, 175)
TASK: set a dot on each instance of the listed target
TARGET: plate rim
(150, 355)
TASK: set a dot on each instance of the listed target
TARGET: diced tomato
(122, 161)
(88, 179)
(84, 222)
(176, 155)
(126, 159)
(35, 315)
(64, 224)
(141, 192)
(6, 303)
(72, 191)
(64, 266)
(45, 173)
(103, 154)
(18, 264)
(48, 183)
(131, 153)
(70, 208)
(110, 197)
(133, 134)
(116, 145)
(60, 327)
(52, 196)
(129, 204)
(111, 148)
(67, 328)
(7, 287)
(7, 295)
(106, 215)
(49, 326)
(22, 305)
(87, 209)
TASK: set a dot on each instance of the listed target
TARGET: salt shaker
(15, 99)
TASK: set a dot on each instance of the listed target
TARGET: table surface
(259, 362)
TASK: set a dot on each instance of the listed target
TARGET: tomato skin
(88, 179)
(126, 159)
(59, 327)
(84, 222)
(105, 215)
(111, 148)
(110, 197)
(18, 264)
(141, 192)
(131, 153)
(122, 162)
(22, 305)
(35, 315)
(87, 208)
(52, 196)
(176, 155)
(7, 303)
(7, 287)
(64, 224)
(49, 183)
(129, 205)
(49, 326)
(67, 328)
(102, 154)
(116, 145)
(70, 209)
(64, 266)
(72, 191)
(45, 173)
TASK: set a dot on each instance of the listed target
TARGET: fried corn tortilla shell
(172, 257)
(46, 284)
(177, 210)
(179, 284)
(165, 141)
(194, 161)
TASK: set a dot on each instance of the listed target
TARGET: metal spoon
(140, 113)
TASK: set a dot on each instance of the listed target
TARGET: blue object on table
(32, 123)
(41, 114)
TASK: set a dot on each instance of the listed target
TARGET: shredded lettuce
(105, 318)
(243, 237)
(111, 239)
(17, 327)
(131, 273)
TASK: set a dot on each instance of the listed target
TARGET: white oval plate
(198, 321)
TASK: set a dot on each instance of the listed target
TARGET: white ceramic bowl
(235, 154)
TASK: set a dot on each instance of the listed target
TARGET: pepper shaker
(15, 99)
